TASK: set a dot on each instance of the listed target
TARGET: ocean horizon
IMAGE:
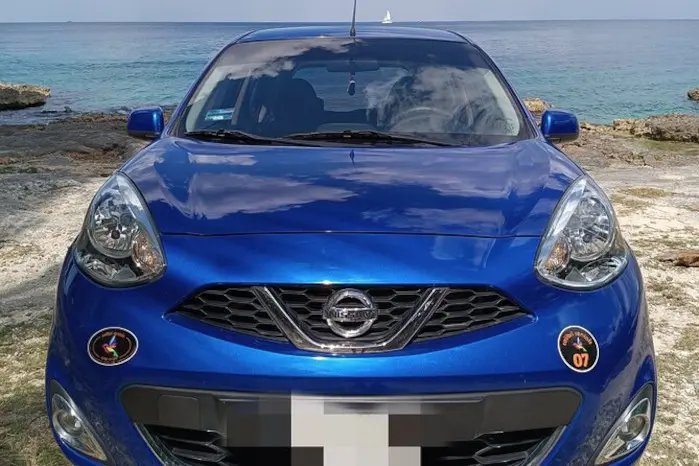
(312, 23)
(599, 69)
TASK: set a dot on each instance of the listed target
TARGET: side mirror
(146, 123)
(558, 126)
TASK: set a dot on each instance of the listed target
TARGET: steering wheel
(416, 117)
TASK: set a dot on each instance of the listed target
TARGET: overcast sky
(339, 10)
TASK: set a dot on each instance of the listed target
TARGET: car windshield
(317, 89)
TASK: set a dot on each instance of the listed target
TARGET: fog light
(630, 430)
(634, 427)
(67, 422)
(72, 429)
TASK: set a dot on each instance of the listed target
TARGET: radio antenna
(353, 29)
(351, 88)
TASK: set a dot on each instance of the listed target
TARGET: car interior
(287, 103)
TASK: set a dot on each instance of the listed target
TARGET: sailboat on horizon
(387, 19)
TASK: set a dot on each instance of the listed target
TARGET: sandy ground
(43, 201)
(659, 212)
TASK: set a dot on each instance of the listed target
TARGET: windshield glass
(445, 91)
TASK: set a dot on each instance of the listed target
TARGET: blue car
(351, 248)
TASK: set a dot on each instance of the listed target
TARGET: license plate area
(311, 430)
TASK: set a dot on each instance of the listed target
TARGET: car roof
(363, 31)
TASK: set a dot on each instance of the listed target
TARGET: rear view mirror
(146, 123)
(352, 66)
(558, 126)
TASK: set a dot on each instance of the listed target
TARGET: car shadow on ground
(25, 436)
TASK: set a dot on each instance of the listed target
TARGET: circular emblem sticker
(578, 349)
(112, 346)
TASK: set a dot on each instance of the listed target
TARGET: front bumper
(210, 365)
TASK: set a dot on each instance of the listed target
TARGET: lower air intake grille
(200, 448)
(501, 449)
(463, 309)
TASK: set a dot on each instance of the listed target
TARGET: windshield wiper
(242, 137)
(365, 135)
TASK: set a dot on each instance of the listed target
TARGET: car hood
(204, 188)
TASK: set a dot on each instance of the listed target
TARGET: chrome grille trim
(396, 339)
(542, 452)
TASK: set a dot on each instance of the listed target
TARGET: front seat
(297, 109)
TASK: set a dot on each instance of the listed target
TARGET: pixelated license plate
(351, 434)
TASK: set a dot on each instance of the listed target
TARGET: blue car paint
(150, 118)
(195, 187)
(217, 359)
(559, 125)
(207, 240)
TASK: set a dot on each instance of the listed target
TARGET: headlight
(118, 245)
(583, 247)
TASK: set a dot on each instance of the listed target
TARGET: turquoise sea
(600, 69)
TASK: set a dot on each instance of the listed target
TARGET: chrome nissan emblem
(350, 307)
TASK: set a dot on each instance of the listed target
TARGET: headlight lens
(583, 247)
(119, 245)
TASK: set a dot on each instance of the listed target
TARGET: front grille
(232, 308)
(238, 308)
(201, 448)
(468, 309)
(306, 302)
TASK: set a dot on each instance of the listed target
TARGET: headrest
(301, 88)
(298, 95)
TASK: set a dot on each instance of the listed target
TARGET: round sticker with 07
(578, 348)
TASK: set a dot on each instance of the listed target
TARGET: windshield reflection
(447, 91)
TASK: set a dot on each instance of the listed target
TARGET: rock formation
(673, 127)
(536, 105)
(18, 96)
(687, 258)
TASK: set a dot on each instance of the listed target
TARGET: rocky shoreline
(670, 127)
(87, 139)
(101, 137)
(19, 96)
